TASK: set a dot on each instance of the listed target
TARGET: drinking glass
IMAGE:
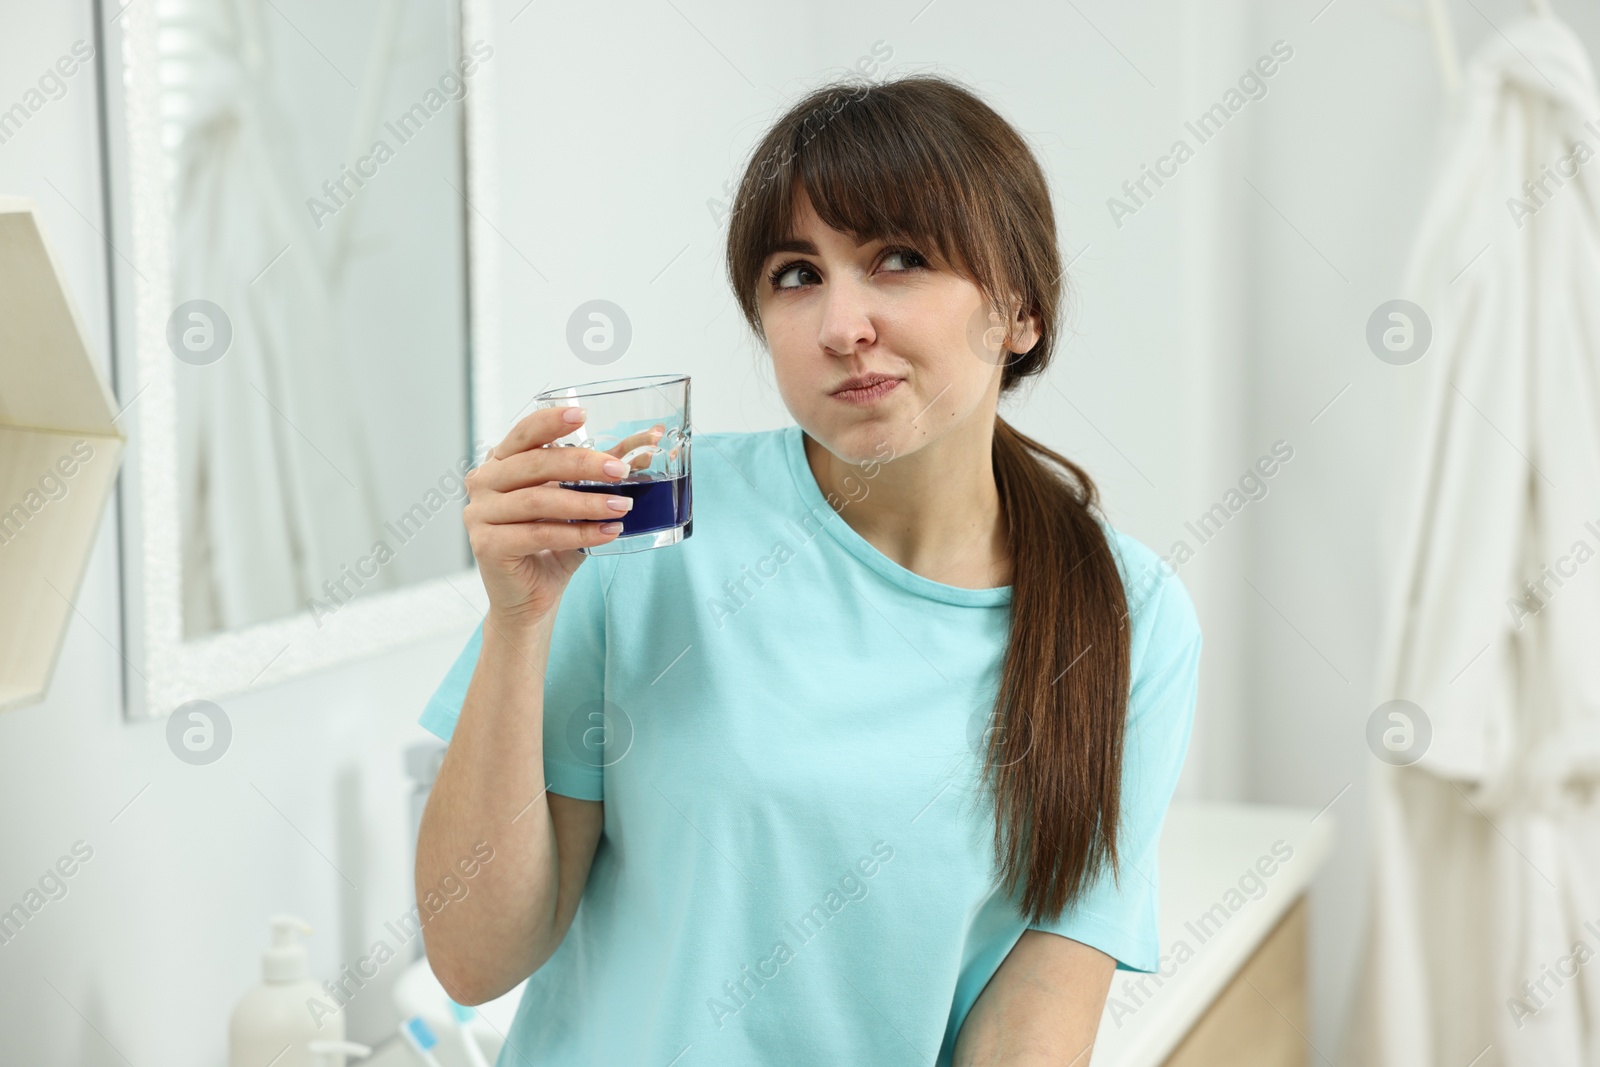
(624, 415)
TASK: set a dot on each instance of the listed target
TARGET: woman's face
(833, 310)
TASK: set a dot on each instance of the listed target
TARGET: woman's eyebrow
(794, 244)
(807, 248)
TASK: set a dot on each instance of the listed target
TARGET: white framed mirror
(304, 289)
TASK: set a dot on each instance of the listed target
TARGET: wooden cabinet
(1259, 1018)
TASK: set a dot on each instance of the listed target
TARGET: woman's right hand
(516, 514)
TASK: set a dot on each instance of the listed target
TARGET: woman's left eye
(906, 257)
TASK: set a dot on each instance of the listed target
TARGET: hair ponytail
(1055, 749)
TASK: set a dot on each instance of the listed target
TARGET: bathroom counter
(1231, 989)
(1233, 884)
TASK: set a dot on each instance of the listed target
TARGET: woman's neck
(934, 511)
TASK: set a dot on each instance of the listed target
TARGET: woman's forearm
(1042, 1006)
(490, 788)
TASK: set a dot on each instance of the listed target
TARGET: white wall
(1206, 328)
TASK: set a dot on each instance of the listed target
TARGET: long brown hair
(922, 157)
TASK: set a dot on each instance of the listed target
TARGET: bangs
(861, 186)
(874, 166)
(920, 159)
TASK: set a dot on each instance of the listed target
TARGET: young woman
(870, 769)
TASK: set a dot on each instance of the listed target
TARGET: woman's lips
(870, 394)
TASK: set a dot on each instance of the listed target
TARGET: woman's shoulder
(736, 452)
(738, 437)
(737, 478)
(1160, 610)
(741, 472)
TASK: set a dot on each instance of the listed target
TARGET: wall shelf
(60, 450)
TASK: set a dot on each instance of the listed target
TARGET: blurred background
(1221, 317)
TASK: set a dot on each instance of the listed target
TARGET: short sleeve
(1120, 917)
(574, 688)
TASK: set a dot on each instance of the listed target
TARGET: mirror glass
(315, 172)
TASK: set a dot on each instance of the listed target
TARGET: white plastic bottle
(272, 1024)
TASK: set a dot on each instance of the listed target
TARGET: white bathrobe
(1487, 851)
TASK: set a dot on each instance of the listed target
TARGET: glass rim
(620, 385)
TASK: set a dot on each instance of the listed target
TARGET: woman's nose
(847, 319)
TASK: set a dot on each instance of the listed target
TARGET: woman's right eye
(787, 276)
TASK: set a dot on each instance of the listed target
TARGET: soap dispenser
(273, 1023)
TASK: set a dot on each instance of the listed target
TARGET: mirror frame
(161, 669)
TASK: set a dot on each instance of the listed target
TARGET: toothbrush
(419, 1035)
(463, 1015)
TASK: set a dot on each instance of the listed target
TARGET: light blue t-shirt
(785, 726)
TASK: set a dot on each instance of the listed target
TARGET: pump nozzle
(285, 957)
(332, 1053)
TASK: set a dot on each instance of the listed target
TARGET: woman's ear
(1024, 328)
(995, 338)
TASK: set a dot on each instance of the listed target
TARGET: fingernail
(619, 503)
(615, 467)
(610, 527)
(574, 414)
